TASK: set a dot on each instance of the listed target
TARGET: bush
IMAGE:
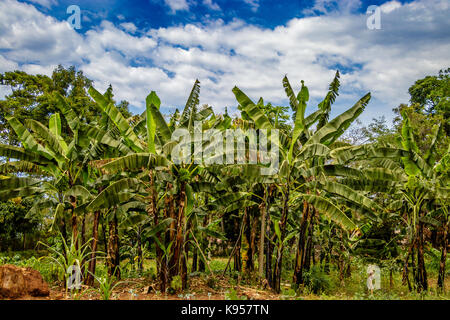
(232, 295)
(317, 281)
(175, 284)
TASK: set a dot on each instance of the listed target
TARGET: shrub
(317, 281)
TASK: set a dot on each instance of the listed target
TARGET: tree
(433, 93)
(303, 165)
(32, 97)
(161, 177)
(376, 131)
(419, 185)
(15, 223)
(63, 165)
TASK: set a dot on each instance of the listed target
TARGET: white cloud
(38, 69)
(7, 65)
(413, 43)
(333, 6)
(390, 6)
(129, 27)
(29, 36)
(177, 5)
(45, 3)
(254, 4)
(212, 5)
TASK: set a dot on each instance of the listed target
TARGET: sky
(164, 45)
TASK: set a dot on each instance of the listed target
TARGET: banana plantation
(118, 213)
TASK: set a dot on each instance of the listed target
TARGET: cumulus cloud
(177, 5)
(28, 36)
(129, 27)
(212, 5)
(390, 6)
(412, 43)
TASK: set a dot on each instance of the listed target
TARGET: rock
(16, 282)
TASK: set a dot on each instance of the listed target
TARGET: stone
(17, 282)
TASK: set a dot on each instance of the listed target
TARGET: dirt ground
(134, 289)
(139, 289)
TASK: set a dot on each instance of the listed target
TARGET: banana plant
(419, 183)
(64, 166)
(167, 183)
(304, 175)
(44, 149)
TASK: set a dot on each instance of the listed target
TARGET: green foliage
(175, 284)
(433, 92)
(107, 284)
(69, 255)
(317, 281)
(33, 97)
(332, 199)
(16, 224)
(233, 295)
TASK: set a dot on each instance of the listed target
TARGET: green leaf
(152, 99)
(24, 155)
(27, 139)
(350, 194)
(136, 161)
(54, 124)
(114, 194)
(105, 137)
(299, 107)
(430, 155)
(253, 111)
(213, 233)
(190, 109)
(20, 166)
(276, 226)
(162, 226)
(189, 200)
(18, 192)
(163, 129)
(333, 170)
(410, 145)
(55, 128)
(370, 185)
(291, 95)
(59, 211)
(330, 210)
(366, 152)
(70, 115)
(51, 141)
(336, 127)
(310, 151)
(119, 120)
(78, 191)
(325, 105)
(14, 183)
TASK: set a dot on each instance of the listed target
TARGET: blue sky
(160, 13)
(164, 45)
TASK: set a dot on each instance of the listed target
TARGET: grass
(214, 286)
